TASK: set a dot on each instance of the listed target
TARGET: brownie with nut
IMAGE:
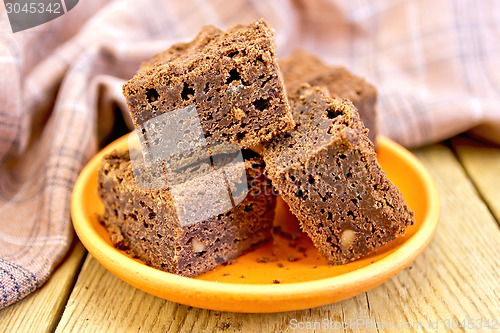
(152, 224)
(326, 170)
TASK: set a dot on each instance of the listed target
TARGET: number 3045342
(33, 8)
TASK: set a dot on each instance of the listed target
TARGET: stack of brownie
(217, 129)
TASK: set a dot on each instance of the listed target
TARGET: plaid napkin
(435, 63)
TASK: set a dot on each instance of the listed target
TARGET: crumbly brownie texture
(303, 67)
(231, 77)
(145, 224)
(326, 170)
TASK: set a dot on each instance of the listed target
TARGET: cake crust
(231, 78)
(303, 67)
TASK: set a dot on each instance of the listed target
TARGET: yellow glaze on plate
(250, 283)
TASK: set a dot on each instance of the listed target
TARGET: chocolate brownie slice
(303, 67)
(326, 170)
(231, 78)
(163, 227)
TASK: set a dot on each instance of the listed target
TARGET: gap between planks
(481, 161)
(41, 310)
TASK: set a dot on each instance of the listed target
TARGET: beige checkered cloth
(436, 65)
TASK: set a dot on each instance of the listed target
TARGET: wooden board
(457, 277)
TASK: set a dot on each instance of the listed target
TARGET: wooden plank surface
(41, 310)
(482, 163)
(457, 277)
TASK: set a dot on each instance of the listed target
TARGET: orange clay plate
(285, 275)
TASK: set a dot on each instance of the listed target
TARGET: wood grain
(41, 311)
(457, 277)
(482, 163)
